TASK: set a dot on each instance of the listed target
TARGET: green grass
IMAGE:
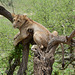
(6, 42)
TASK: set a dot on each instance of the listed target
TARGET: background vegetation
(56, 15)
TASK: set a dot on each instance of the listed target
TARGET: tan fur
(55, 33)
(41, 35)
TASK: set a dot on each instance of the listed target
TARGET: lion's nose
(14, 25)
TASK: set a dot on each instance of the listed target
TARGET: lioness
(41, 35)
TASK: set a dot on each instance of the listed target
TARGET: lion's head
(18, 20)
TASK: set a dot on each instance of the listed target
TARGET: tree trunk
(23, 65)
(43, 61)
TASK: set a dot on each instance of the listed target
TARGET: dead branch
(62, 39)
(13, 66)
(43, 61)
(71, 36)
(6, 13)
(70, 62)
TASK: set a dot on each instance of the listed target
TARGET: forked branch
(62, 39)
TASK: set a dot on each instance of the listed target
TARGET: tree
(43, 60)
(23, 68)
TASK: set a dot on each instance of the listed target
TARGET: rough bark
(6, 13)
(23, 65)
(44, 59)
(62, 39)
(43, 62)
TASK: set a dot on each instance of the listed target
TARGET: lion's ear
(13, 15)
(25, 17)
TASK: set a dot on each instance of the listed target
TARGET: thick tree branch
(62, 39)
(6, 13)
(23, 65)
